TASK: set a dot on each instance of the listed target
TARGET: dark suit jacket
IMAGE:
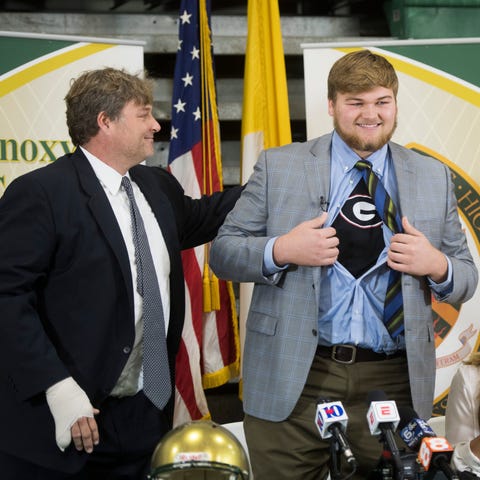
(66, 301)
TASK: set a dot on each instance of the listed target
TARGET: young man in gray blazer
(316, 323)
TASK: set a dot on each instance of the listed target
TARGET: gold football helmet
(199, 450)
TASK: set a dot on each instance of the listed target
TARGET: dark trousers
(130, 428)
(294, 450)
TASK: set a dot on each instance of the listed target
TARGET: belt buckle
(346, 362)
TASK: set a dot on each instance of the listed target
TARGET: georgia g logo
(359, 210)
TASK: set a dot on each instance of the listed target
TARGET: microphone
(413, 430)
(383, 418)
(432, 450)
(331, 420)
(437, 452)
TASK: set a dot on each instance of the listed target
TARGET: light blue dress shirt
(351, 309)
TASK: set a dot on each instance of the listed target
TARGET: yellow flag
(266, 116)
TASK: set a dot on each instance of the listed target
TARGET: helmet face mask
(199, 450)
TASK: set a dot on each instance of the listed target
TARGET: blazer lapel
(317, 166)
(405, 174)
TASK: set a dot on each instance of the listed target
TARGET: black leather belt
(350, 354)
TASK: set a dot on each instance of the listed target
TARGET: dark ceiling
(371, 13)
(230, 7)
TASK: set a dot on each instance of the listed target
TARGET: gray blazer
(281, 338)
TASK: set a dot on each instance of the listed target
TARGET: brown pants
(293, 449)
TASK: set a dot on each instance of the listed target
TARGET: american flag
(209, 351)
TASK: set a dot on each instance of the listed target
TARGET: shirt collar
(108, 176)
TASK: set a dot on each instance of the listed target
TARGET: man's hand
(307, 244)
(73, 415)
(411, 252)
(85, 433)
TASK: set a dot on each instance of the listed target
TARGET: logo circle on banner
(456, 336)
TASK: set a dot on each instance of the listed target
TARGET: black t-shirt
(359, 230)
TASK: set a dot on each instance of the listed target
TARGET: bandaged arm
(68, 403)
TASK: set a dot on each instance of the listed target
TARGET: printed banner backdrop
(439, 115)
(35, 75)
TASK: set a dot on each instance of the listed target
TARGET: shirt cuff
(269, 265)
(443, 289)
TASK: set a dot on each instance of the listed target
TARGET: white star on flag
(185, 17)
(195, 53)
(180, 106)
(187, 79)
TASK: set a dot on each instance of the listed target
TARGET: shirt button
(127, 349)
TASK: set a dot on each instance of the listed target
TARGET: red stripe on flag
(193, 279)
(183, 382)
(211, 171)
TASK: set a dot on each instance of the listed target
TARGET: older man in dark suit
(73, 400)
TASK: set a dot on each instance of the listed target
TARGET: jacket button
(127, 349)
(314, 332)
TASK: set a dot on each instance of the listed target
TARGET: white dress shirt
(131, 378)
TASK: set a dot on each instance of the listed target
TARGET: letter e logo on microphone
(382, 412)
(385, 411)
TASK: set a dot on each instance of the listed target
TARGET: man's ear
(331, 106)
(103, 121)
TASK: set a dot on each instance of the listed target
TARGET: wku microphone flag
(265, 117)
(209, 351)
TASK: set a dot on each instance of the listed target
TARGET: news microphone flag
(209, 351)
(412, 429)
(331, 420)
(383, 419)
(414, 432)
(381, 412)
(433, 447)
(328, 414)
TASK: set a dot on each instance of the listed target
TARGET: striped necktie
(156, 372)
(393, 309)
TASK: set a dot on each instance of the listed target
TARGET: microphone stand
(335, 461)
(383, 470)
(395, 458)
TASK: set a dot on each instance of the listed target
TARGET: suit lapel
(103, 215)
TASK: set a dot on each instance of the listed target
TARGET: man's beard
(358, 144)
